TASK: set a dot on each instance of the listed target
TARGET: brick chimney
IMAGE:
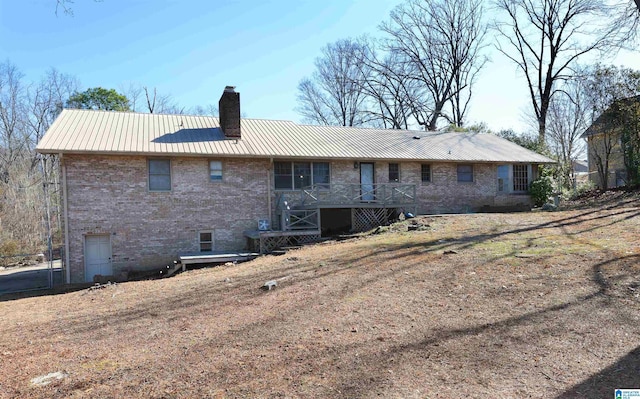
(229, 106)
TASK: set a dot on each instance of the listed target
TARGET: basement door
(367, 192)
(97, 256)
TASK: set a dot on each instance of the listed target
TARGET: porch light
(355, 165)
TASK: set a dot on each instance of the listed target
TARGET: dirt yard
(533, 305)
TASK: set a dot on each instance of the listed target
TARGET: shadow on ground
(625, 373)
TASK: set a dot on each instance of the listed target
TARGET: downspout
(67, 266)
(269, 192)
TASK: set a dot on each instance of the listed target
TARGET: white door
(366, 182)
(97, 256)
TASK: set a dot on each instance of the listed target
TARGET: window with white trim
(520, 178)
(159, 174)
(513, 178)
(298, 175)
(215, 170)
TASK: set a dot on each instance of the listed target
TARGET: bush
(8, 249)
(540, 190)
(582, 189)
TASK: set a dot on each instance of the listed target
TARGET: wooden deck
(266, 241)
(215, 257)
(189, 258)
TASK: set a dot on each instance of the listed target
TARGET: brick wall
(109, 195)
(444, 194)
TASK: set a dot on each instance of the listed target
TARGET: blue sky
(191, 49)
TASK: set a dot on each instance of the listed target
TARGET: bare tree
(610, 93)
(387, 88)
(545, 39)
(600, 150)
(145, 99)
(438, 43)
(206, 110)
(160, 104)
(133, 92)
(569, 116)
(45, 101)
(334, 94)
(13, 140)
(26, 111)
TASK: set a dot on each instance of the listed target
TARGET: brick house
(140, 189)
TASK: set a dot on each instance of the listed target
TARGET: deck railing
(391, 194)
(300, 219)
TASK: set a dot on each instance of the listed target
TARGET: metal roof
(107, 132)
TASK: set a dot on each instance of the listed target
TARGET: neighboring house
(580, 171)
(604, 145)
(139, 189)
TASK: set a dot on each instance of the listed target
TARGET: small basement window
(215, 170)
(206, 241)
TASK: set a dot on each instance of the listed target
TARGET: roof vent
(416, 137)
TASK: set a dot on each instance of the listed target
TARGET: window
(321, 174)
(159, 175)
(215, 170)
(503, 178)
(394, 173)
(520, 178)
(513, 178)
(298, 175)
(465, 173)
(301, 175)
(206, 241)
(425, 173)
(283, 175)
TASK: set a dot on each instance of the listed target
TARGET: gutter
(66, 220)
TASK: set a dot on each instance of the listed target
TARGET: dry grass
(541, 305)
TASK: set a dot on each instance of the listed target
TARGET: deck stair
(212, 257)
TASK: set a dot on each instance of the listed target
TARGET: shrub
(540, 190)
(8, 248)
(582, 189)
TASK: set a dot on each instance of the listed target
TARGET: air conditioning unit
(264, 225)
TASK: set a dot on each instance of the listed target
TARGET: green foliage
(622, 119)
(99, 98)
(475, 128)
(583, 188)
(530, 142)
(541, 189)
